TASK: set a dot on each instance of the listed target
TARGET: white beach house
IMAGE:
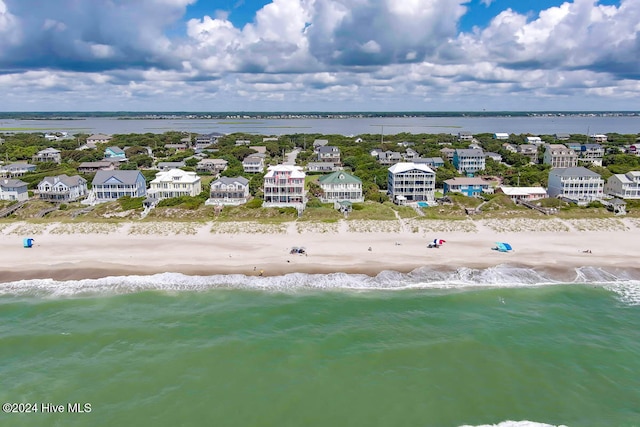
(625, 186)
(578, 184)
(410, 182)
(174, 183)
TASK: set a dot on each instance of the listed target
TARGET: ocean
(503, 346)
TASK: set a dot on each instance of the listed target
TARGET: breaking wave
(516, 424)
(625, 283)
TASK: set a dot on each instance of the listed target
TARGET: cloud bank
(317, 55)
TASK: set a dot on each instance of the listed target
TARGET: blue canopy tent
(27, 242)
(503, 247)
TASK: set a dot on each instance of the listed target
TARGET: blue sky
(319, 55)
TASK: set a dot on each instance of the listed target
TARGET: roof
(318, 142)
(231, 180)
(49, 150)
(339, 177)
(405, 166)
(469, 152)
(432, 160)
(328, 149)
(295, 171)
(169, 164)
(253, 159)
(98, 164)
(522, 191)
(578, 171)
(213, 161)
(116, 150)
(127, 177)
(11, 183)
(99, 136)
(555, 147)
(69, 181)
(466, 181)
(14, 166)
(170, 175)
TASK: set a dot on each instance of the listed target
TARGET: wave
(625, 283)
(516, 424)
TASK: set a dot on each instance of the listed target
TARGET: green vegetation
(128, 202)
(144, 151)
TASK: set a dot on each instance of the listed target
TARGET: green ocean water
(564, 354)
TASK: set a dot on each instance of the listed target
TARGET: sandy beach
(65, 251)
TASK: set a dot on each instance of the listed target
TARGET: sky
(319, 55)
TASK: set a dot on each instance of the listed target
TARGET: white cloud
(305, 53)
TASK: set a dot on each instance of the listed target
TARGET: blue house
(469, 160)
(468, 186)
(114, 153)
(111, 185)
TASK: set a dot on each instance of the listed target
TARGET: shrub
(254, 203)
(128, 202)
(63, 206)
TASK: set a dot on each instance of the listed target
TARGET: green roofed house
(340, 186)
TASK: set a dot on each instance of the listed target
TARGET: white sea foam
(621, 282)
(516, 424)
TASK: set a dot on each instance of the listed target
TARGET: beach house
(98, 138)
(320, 143)
(410, 182)
(205, 140)
(229, 191)
(62, 188)
(284, 187)
(91, 167)
(590, 154)
(578, 184)
(214, 166)
(111, 185)
(114, 153)
(321, 167)
(388, 157)
(340, 186)
(560, 156)
(328, 153)
(48, 155)
(253, 164)
(598, 138)
(13, 189)
(465, 136)
(535, 140)
(625, 186)
(432, 162)
(174, 183)
(526, 194)
(167, 166)
(16, 169)
(468, 186)
(469, 160)
(501, 135)
(530, 151)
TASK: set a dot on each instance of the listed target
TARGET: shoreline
(201, 252)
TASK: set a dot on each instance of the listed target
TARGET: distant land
(150, 115)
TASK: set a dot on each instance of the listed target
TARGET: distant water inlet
(342, 126)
